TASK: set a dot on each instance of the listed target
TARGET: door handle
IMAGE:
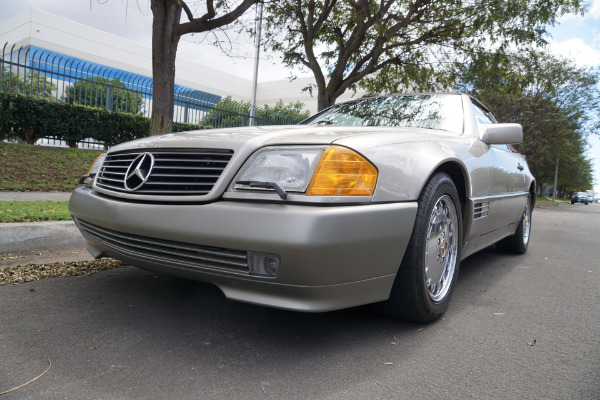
(520, 167)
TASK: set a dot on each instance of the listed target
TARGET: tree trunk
(325, 98)
(167, 14)
(30, 137)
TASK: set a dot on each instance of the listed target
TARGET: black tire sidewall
(409, 298)
(445, 186)
(520, 234)
(514, 244)
(521, 229)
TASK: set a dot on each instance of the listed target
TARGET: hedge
(30, 119)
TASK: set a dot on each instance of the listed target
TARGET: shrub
(30, 119)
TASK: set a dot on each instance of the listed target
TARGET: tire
(426, 278)
(518, 243)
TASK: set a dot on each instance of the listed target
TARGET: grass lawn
(34, 211)
(28, 168)
(545, 200)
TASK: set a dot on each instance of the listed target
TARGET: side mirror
(502, 134)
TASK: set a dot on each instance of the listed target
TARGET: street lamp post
(256, 59)
(555, 180)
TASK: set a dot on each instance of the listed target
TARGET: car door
(507, 184)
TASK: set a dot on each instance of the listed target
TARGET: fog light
(263, 264)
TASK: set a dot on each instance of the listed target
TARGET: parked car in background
(374, 200)
(580, 197)
(591, 195)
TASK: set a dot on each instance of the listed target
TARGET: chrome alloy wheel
(441, 248)
(526, 223)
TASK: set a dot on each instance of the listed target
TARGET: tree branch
(207, 23)
(187, 10)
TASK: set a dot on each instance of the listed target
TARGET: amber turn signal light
(342, 172)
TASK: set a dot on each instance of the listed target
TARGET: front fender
(405, 167)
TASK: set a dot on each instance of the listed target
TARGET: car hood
(247, 139)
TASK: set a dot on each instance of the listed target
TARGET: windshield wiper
(265, 185)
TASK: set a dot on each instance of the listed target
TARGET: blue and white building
(58, 45)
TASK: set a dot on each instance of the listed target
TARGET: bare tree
(167, 29)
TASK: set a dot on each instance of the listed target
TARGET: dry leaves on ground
(33, 272)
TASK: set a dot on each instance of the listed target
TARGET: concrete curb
(26, 236)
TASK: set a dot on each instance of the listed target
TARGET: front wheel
(426, 278)
(518, 243)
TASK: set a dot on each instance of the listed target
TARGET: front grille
(159, 250)
(175, 173)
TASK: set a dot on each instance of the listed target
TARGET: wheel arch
(533, 193)
(459, 176)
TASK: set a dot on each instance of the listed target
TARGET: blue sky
(576, 37)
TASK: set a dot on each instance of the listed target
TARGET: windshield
(422, 111)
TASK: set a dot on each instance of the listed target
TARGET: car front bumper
(331, 257)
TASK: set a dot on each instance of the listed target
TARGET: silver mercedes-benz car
(372, 201)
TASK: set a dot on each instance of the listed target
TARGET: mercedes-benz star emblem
(138, 172)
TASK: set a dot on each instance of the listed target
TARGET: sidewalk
(35, 236)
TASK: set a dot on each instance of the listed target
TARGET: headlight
(93, 169)
(316, 171)
(289, 167)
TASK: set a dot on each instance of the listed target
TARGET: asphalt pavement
(518, 327)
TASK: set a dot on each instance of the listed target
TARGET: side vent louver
(480, 210)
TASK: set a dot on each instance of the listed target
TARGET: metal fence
(46, 74)
(51, 141)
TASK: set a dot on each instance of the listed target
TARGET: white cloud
(594, 9)
(576, 49)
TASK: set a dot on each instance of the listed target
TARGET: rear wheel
(518, 243)
(426, 278)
